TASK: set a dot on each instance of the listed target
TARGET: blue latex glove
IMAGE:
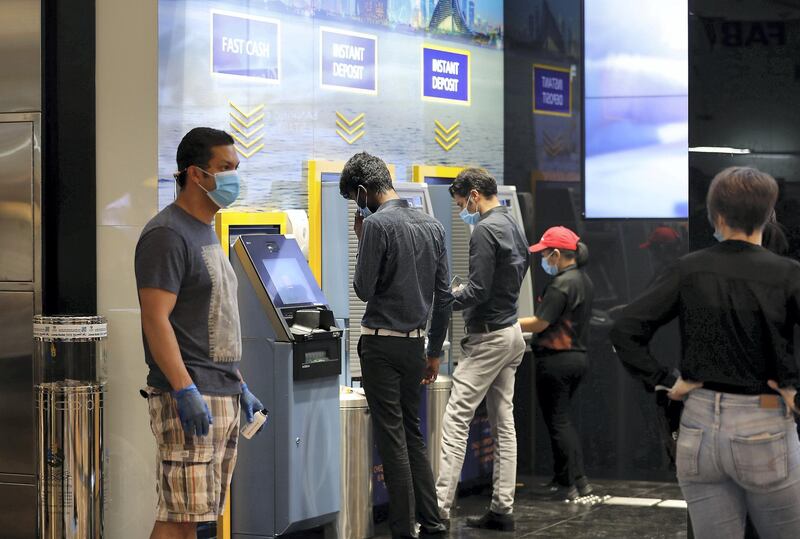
(250, 404)
(193, 411)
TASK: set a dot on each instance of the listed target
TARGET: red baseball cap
(557, 237)
(661, 235)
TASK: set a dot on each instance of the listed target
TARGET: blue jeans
(736, 458)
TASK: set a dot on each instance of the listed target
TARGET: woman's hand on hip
(682, 388)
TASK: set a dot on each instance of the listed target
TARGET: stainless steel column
(70, 385)
(438, 395)
(355, 517)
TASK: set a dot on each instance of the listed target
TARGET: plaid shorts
(193, 474)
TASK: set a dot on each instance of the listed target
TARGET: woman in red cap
(562, 325)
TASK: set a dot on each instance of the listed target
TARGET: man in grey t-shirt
(192, 338)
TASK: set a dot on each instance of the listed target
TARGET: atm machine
(229, 225)
(507, 194)
(287, 477)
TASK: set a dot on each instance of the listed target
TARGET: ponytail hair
(582, 255)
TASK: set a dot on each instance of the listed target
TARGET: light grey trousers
(487, 370)
(736, 458)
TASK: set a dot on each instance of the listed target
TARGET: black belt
(486, 327)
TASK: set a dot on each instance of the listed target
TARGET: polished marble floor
(540, 517)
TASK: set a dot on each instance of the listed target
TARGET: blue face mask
(470, 218)
(227, 190)
(718, 236)
(548, 269)
(365, 211)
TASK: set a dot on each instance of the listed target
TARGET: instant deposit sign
(446, 75)
(245, 46)
(552, 90)
(348, 61)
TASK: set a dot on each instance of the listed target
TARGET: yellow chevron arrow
(447, 147)
(247, 145)
(446, 138)
(247, 125)
(248, 155)
(350, 141)
(349, 131)
(445, 129)
(246, 114)
(249, 134)
(348, 122)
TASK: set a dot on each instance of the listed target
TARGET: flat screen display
(330, 177)
(289, 281)
(414, 201)
(636, 128)
(283, 271)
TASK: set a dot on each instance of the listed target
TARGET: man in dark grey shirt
(402, 274)
(493, 347)
(192, 339)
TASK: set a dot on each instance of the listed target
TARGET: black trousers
(392, 369)
(558, 375)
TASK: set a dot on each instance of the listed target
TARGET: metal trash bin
(438, 395)
(70, 377)
(355, 517)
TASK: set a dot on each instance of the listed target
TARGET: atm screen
(283, 271)
(505, 202)
(291, 287)
(435, 180)
(330, 177)
(415, 201)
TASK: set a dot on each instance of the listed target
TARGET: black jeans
(558, 375)
(392, 369)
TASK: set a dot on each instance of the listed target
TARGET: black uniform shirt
(567, 307)
(737, 304)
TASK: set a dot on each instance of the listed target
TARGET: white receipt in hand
(259, 418)
(456, 284)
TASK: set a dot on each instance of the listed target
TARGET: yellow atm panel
(421, 173)
(246, 222)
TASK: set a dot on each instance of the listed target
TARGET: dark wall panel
(616, 416)
(68, 208)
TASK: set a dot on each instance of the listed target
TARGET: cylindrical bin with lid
(438, 395)
(355, 516)
(70, 377)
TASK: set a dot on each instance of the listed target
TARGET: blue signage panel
(348, 61)
(446, 75)
(552, 90)
(245, 45)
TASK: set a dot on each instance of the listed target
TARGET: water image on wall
(412, 81)
(636, 109)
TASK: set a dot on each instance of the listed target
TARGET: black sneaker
(556, 491)
(492, 521)
(584, 487)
